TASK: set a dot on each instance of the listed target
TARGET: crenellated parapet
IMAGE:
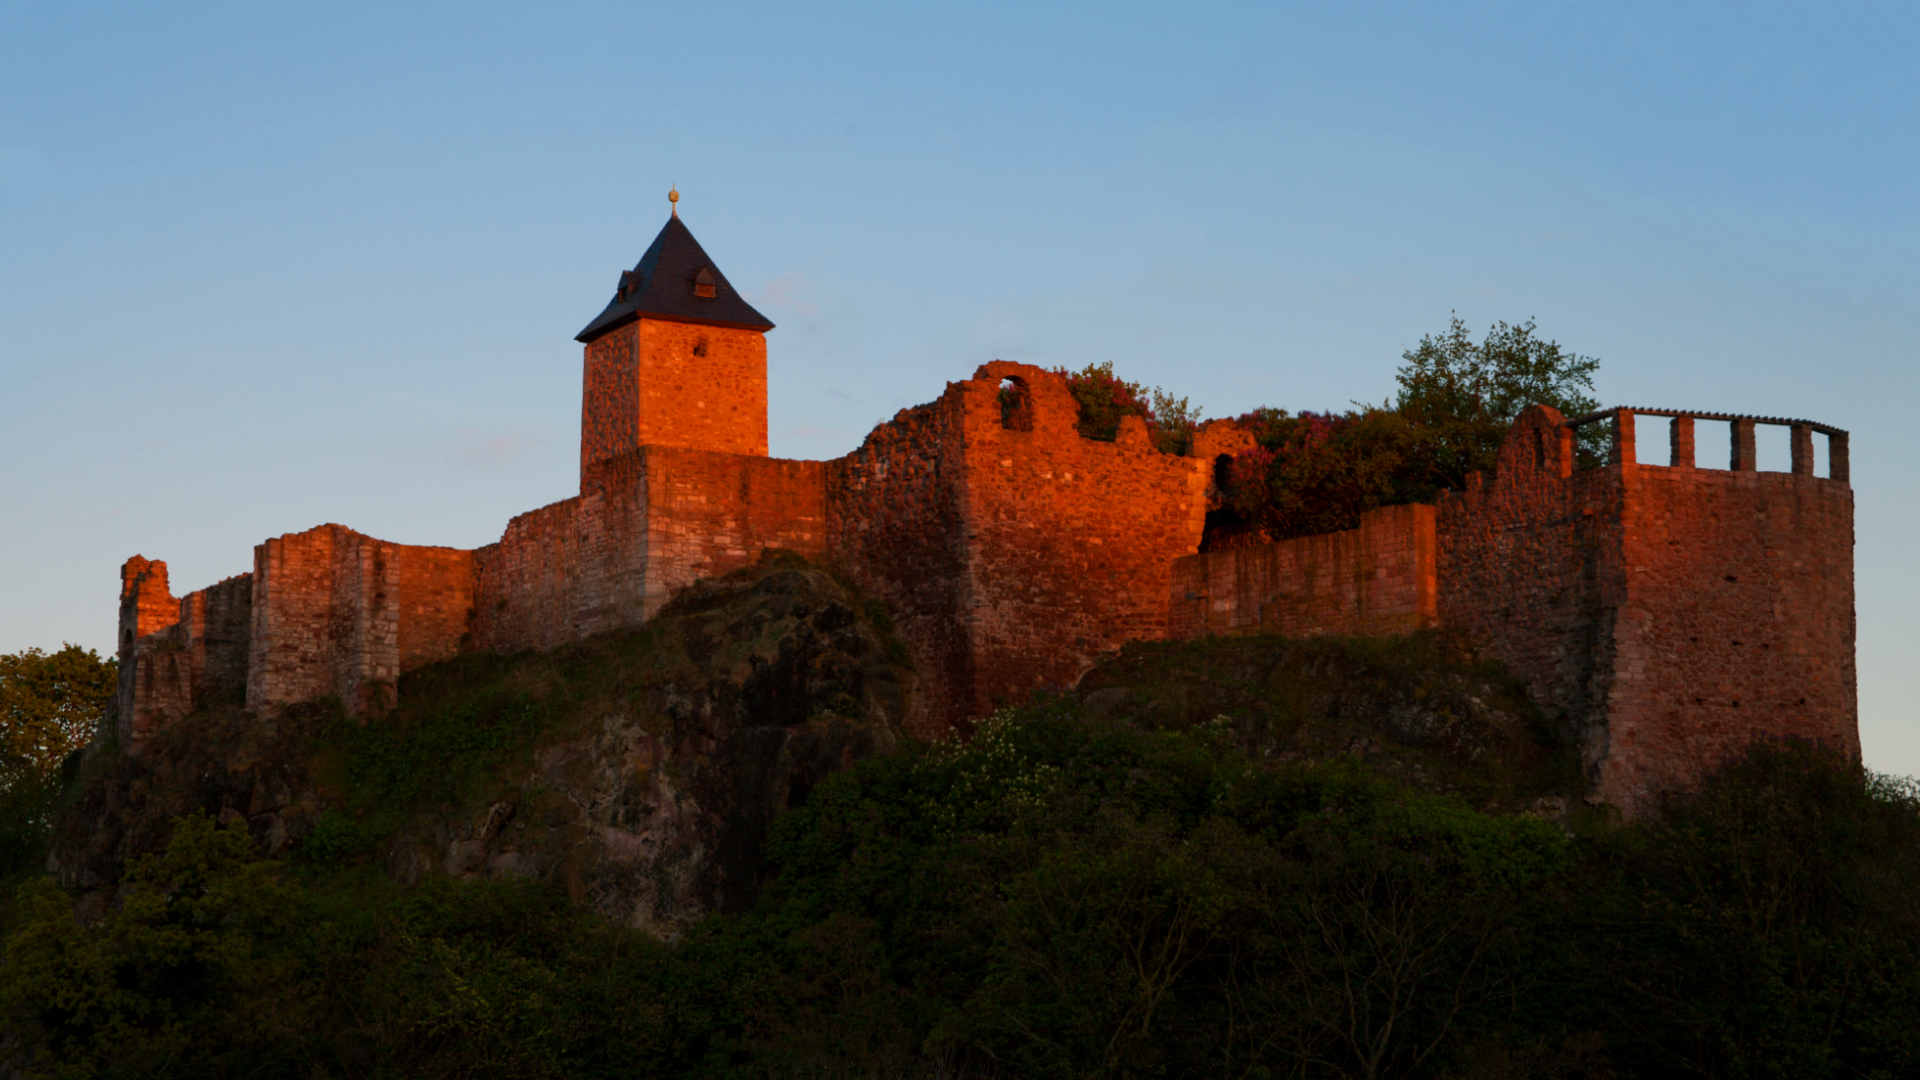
(1742, 451)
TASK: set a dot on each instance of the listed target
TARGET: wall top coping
(1603, 414)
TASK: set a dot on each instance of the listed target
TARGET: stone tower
(677, 359)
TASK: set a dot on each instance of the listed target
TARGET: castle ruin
(1668, 613)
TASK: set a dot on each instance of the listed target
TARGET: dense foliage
(1104, 398)
(1463, 394)
(51, 705)
(1063, 896)
(1316, 472)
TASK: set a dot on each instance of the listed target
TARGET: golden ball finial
(673, 199)
(673, 195)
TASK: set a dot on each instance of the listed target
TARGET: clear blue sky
(263, 267)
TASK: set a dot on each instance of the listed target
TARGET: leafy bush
(1104, 398)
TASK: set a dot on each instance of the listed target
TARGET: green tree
(1464, 395)
(186, 962)
(1767, 926)
(51, 705)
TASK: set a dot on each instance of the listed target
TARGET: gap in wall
(1774, 447)
(1712, 444)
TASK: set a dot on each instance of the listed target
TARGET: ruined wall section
(1530, 570)
(176, 655)
(217, 624)
(656, 382)
(1737, 621)
(1070, 540)
(363, 624)
(896, 523)
(1381, 578)
(644, 525)
(528, 585)
(331, 608)
(147, 606)
(292, 642)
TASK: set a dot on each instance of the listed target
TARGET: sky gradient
(263, 268)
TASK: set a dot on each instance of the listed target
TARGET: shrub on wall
(1314, 472)
(1318, 472)
(1104, 398)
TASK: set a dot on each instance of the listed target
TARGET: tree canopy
(1465, 394)
(50, 705)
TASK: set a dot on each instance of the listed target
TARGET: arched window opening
(1016, 405)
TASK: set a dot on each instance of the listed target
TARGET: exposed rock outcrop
(656, 813)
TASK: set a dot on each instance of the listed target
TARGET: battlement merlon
(1742, 456)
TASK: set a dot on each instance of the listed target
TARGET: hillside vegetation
(1250, 857)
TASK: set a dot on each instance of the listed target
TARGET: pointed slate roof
(667, 284)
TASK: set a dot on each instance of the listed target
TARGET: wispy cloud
(482, 450)
(789, 291)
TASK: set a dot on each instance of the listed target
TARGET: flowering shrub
(1318, 472)
(990, 775)
(1105, 398)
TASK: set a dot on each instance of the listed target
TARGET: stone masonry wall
(645, 524)
(1665, 614)
(709, 514)
(655, 382)
(895, 522)
(436, 603)
(363, 624)
(1736, 621)
(1381, 578)
(1013, 551)
(292, 641)
(176, 655)
(1529, 570)
(217, 622)
(147, 606)
(564, 571)
(334, 609)
(1070, 540)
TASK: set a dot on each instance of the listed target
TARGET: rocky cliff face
(645, 793)
(656, 813)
